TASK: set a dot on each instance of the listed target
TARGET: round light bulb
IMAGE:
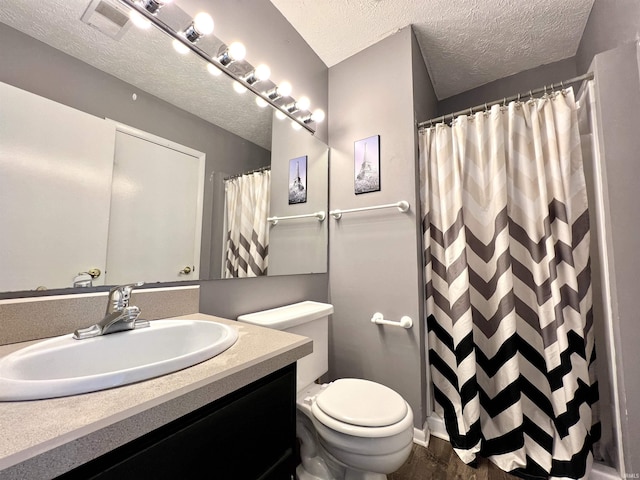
(295, 125)
(262, 72)
(139, 21)
(303, 103)
(239, 88)
(284, 89)
(261, 102)
(318, 115)
(237, 51)
(203, 23)
(213, 70)
(180, 47)
(280, 115)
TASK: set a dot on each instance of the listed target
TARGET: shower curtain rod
(530, 93)
(238, 175)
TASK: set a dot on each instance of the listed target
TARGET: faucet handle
(119, 296)
(131, 313)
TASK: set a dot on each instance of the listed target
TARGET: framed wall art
(366, 161)
(298, 180)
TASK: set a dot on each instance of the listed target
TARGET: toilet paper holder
(404, 322)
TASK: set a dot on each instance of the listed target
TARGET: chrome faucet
(119, 316)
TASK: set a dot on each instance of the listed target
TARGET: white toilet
(349, 429)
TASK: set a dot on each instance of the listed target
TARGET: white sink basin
(63, 366)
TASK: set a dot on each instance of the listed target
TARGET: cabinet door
(250, 436)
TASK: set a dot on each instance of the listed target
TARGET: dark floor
(440, 462)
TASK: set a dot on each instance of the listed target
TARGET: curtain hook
(518, 98)
(504, 102)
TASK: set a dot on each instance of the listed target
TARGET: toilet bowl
(361, 425)
(349, 429)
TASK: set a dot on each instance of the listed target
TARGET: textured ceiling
(145, 59)
(465, 43)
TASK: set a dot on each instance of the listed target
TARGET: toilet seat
(362, 408)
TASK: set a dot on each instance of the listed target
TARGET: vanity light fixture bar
(321, 215)
(166, 29)
(402, 206)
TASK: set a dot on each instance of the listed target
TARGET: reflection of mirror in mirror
(240, 142)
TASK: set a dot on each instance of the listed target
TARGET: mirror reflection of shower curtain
(247, 208)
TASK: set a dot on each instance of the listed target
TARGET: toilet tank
(309, 319)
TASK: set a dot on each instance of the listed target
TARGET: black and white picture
(298, 180)
(366, 158)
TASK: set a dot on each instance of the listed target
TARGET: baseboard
(421, 437)
(436, 427)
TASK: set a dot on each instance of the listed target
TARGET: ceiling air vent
(108, 16)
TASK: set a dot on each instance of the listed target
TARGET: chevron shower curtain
(247, 209)
(508, 287)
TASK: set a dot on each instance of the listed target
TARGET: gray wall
(236, 296)
(425, 105)
(606, 449)
(611, 24)
(609, 49)
(373, 265)
(512, 85)
(618, 91)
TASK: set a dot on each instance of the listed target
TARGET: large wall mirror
(81, 147)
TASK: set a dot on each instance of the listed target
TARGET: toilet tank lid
(288, 316)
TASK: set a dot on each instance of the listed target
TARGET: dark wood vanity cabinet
(246, 435)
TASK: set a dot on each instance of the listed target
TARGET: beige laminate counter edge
(45, 438)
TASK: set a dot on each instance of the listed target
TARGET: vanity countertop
(42, 439)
